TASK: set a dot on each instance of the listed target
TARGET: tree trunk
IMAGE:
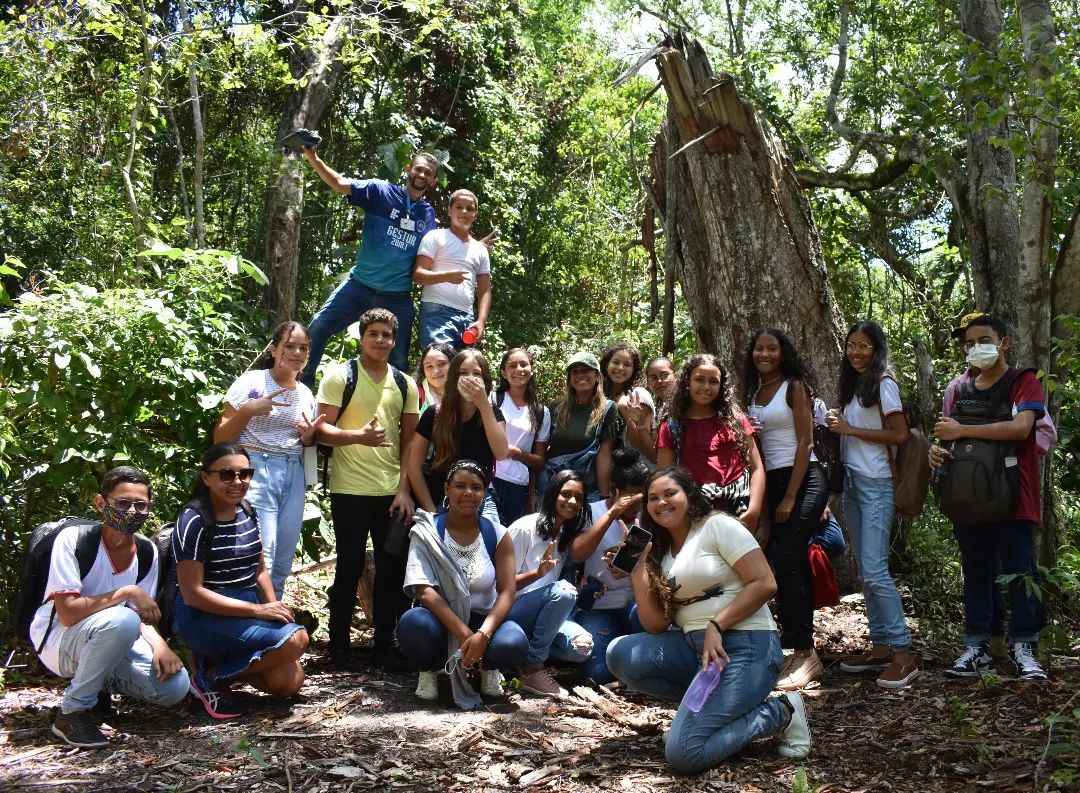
(737, 222)
(992, 222)
(285, 192)
(198, 170)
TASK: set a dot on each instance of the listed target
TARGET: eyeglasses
(862, 346)
(124, 504)
(227, 475)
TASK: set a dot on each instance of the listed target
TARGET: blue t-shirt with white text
(393, 226)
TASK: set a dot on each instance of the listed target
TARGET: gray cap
(583, 359)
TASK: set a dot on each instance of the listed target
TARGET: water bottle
(703, 685)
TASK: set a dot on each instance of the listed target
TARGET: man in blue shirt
(395, 219)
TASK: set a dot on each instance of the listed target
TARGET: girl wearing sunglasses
(226, 610)
(270, 413)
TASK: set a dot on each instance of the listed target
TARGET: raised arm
(334, 180)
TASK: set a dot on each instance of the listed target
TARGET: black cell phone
(587, 596)
(633, 547)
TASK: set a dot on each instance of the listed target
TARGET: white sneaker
(1027, 665)
(795, 739)
(427, 687)
(491, 683)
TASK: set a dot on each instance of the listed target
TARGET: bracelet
(530, 492)
(485, 634)
(716, 625)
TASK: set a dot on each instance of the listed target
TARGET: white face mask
(983, 356)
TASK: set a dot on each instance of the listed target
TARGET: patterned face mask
(125, 522)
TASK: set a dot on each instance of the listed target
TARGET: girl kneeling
(461, 574)
(226, 609)
(707, 572)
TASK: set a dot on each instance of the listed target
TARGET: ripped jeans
(544, 614)
(606, 625)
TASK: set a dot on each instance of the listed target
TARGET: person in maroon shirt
(986, 340)
(712, 439)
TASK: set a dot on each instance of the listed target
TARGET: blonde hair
(599, 402)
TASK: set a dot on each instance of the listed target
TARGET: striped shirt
(277, 431)
(230, 552)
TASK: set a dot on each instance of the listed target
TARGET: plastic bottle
(703, 685)
(469, 336)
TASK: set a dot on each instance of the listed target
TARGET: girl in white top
(620, 367)
(871, 421)
(706, 573)
(271, 413)
(528, 429)
(780, 395)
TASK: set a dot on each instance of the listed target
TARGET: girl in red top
(712, 439)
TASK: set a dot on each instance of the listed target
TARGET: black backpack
(37, 558)
(980, 482)
(352, 374)
(165, 597)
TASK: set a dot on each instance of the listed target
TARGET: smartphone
(634, 545)
(586, 598)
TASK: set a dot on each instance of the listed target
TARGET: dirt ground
(365, 731)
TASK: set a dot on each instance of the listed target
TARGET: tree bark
(285, 192)
(738, 223)
(198, 170)
(133, 136)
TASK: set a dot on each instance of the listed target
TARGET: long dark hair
(536, 409)
(698, 507)
(438, 346)
(724, 404)
(866, 385)
(282, 331)
(792, 367)
(447, 430)
(635, 372)
(545, 520)
(628, 469)
(200, 492)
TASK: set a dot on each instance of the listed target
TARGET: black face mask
(124, 522)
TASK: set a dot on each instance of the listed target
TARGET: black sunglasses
(124, 504)
(227, 474)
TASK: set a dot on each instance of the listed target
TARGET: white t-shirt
(519, 432)
(277, 431)
(450, 252)
(870, 459)
(707, 561)
(619, 591)
(529, 547)
(779, 441)
(64, 580)
(479, 569)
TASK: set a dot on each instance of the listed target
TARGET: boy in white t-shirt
(455, 271)
(98, 629)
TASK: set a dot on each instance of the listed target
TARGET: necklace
(467, 557)
(769, 382)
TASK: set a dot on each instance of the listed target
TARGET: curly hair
(446, 434)
(698, 508)
(792, 366)
(866, 385)
(724, 404)
(635, 373)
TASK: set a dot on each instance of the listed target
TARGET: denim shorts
(230, 644)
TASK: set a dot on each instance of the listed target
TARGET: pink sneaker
(541, 682)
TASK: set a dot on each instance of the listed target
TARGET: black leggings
(790, 540)
(354, 518)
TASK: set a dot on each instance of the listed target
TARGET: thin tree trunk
(185, 203)
(200, 136)
(738, 223)
(285, 193)
(133, 137)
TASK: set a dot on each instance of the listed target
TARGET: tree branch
(885, 174)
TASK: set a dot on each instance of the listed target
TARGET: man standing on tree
(395, 219)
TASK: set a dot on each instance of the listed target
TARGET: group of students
(494, 520)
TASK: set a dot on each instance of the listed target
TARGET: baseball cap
(583, 359)
(966, 320)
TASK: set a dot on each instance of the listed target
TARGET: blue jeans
(106, 652)
(422, 638)
(868, 507)
(439, 323)
(344, 307)
(606, 625)
(737, 711)
(277, 492)
(544, 615)
(980, 549)
(831, 538)
(511, 498)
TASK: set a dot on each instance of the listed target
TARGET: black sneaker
(218, 704)
(974, 662)
(393, 661)
(78, 729)
(1027, 665)
(103, 712)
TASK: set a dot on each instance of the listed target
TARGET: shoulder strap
(1003, 390)
(352, 374)
(86, 547)
(144, 550)
(487, 531)
(402, 384)
(888, 447)
(440, 525)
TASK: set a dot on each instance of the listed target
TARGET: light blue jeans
(277, 492)
(439, 323)
(868, 508)
(606, 625)
(737, 711)
(544, 615)
(106, 652)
